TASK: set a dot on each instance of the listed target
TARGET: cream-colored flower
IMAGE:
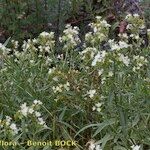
(37, 102)
(110, 74)
(136, 15)
(135, 147)
(128, 16)
(99, 57)
(124, 59)
(123, 44)
(24, 109)
(100, 72)
(8, 120)
(91, 93)
(31, 110)
(14, 128)
(41, 121)
(37, 114)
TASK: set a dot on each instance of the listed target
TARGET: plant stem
(58, 24)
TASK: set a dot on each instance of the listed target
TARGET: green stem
(66, 55)
(37, 11)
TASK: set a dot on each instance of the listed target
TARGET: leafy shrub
(98, 95)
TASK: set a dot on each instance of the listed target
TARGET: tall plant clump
(96, 93)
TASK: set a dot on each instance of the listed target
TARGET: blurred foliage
(146, 8)
(23, 19)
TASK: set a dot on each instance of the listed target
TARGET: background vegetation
(23, 19)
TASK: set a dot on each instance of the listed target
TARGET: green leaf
(61, 116)
(68, 125)
(6, 42)
(104, 140)
(115, 25)
(123, 121)
(119, 148)
(136, 120)
(17, 138)
(1, 115)
(46, 147)
(86, 127)
(102, 125)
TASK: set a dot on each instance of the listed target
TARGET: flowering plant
(103, 88)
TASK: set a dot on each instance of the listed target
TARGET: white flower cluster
(110, 73)
(8, 120)
(47, 35)
(31, 110)
(97, 107)
(117, 46)
(70, 37)
(135, 36)
(140, 61)
(48, 61)
(28, 46)
(135, 147)
(129, 16)
(100, 57)
(100, 72)
(24, 109)
(51, 70)
(91, 93)
(61, 87)
(123, 44)
(123, 36)
(89, 37)
(135, 23)
(88, 51)
(129, 27)
(100, 31)
(124, 59)
(15, 44)
(94, 146)
(46, 39)
(45, 48)
(99, 25)
(43, 44)
(14, 128)
(4, 49)
(10, 125)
